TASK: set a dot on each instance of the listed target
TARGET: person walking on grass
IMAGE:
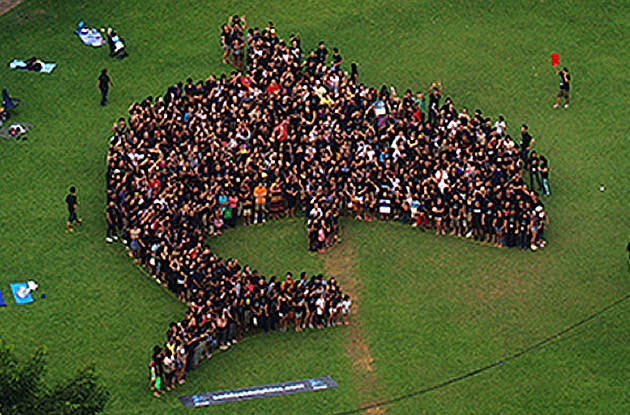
(563, 92)
(103, 85)
(71, 201)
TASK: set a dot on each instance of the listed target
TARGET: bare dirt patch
(339, 263)
(6, 5)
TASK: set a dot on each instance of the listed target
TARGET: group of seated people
(293, 133)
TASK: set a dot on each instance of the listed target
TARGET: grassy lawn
(430, 308)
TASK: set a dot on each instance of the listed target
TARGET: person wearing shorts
(346, 305)
(260, 198)
(563, 91)
(155, 384)
(156, 370)
(283, 308)
(134, 244)
(298, 309)
(246, 204)
(169, 369)
(226, 42)
(71, 202)
(499, 227)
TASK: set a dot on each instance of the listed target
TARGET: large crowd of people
(294, 132)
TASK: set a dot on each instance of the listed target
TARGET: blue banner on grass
(255, 392)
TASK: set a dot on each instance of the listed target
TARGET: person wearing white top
(346, 305)
(320, 304)
(501, 126)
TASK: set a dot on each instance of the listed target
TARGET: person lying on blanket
(116, 45)
(32, 64)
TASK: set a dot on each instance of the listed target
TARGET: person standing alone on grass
(563, 92)
(103, 84)
(71, 201)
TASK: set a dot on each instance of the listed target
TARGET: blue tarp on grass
(16, 287)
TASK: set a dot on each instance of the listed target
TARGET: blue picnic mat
(15, 288)
(2, 303)
(21, 65)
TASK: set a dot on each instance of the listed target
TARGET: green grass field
(430, 308)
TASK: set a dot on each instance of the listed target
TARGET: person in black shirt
(113, 222)
(534, 170)
(103, 85)
(434, 101)
(321, 53)
(563, 92)
(226, 42)
(544, 174)
(512, 229)
(527, 142)
(337, 60)
(71, 201)
(354, 72)
(523, 230)
(157, 369)
(487, 220)
(475, 219)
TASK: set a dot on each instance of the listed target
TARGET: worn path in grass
(339, 264)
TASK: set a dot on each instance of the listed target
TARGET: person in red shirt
(273, 88)
(154, 186)
(280, 131)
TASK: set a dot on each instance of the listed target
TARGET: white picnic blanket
(90, 36)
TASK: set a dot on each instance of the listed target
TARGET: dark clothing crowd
(297, 131)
